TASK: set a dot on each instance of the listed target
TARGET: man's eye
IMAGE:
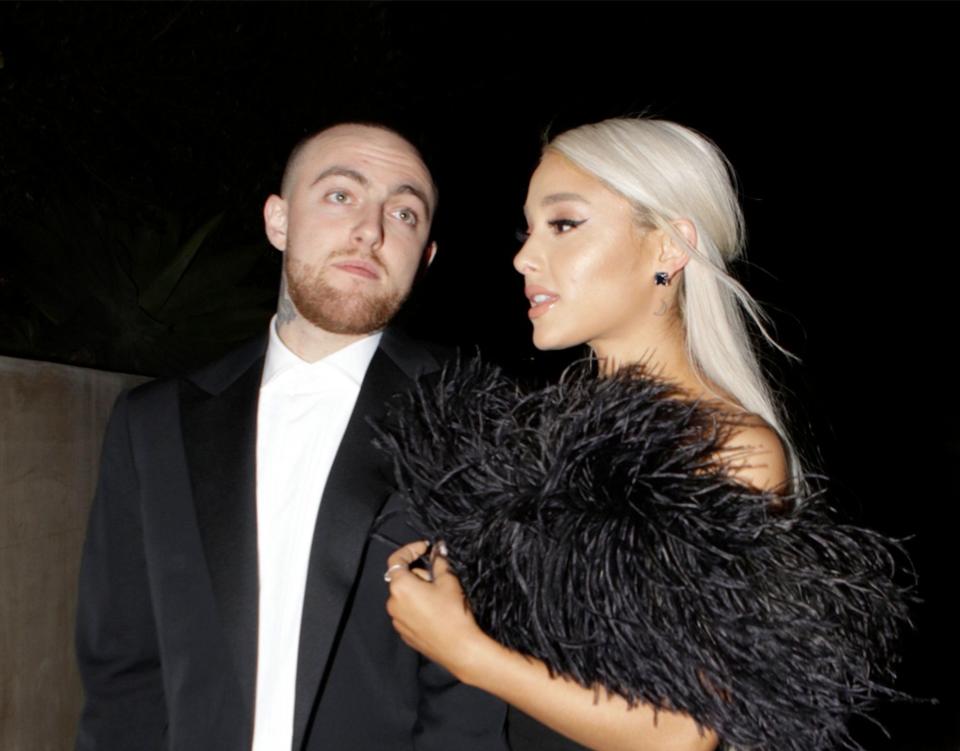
(338, 196)
(407, 216)
(560, 226)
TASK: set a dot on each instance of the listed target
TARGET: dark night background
(138, 141)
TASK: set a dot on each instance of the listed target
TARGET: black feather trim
(593, 526)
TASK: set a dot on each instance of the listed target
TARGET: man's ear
(275, 222)
(429, 253)
(674, 255)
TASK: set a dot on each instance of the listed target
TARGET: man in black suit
(231, 591)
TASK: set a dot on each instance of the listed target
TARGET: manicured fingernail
(443, 548)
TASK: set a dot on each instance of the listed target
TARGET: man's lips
(541, 300)
(365, 269)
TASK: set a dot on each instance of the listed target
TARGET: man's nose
(368, 231)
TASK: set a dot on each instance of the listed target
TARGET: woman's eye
(407, 216)
(560, 226)
(523, 235)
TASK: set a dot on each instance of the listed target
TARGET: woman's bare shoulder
(755, 453)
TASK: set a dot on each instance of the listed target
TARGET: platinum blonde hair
(670, 172)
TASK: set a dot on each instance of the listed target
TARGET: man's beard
(332, 309)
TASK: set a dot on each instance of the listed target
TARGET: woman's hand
(432, 616)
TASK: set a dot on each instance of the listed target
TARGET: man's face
(353, 227)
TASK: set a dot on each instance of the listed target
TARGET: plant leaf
(155, 296)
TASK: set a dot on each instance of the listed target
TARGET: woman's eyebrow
(558, 197)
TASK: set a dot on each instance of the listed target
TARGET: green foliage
(132, 287)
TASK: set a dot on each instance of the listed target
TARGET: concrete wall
(52, 419)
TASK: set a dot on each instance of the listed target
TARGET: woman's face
(588, 267)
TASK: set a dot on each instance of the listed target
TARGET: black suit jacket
(167, 615)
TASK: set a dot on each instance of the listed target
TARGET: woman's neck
(662, 352)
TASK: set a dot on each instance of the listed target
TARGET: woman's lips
(541, 300)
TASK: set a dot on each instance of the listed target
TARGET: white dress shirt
(302, 415)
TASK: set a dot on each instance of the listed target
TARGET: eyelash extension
(570, 223)
(523, 235)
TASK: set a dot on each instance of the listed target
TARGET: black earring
(662, 278)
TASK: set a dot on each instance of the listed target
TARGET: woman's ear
(275, 222)
(674, 256)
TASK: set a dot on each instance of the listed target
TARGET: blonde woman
(632, 224)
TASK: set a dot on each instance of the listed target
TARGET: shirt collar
(352, 360)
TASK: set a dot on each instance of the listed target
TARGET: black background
(126, 127)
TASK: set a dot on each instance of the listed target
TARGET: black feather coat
(593, 526)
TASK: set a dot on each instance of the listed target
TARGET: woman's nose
(523, 261)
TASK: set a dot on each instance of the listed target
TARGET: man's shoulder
(217, 375)
(212, 377)
(414, 355)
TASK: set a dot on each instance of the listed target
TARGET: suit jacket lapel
(356, 489)
(219, 415)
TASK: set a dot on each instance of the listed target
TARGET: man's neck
(311, 343)
(307, 341)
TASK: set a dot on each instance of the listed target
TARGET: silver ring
(394, 567)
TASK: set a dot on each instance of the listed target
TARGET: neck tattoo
(285, 310)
